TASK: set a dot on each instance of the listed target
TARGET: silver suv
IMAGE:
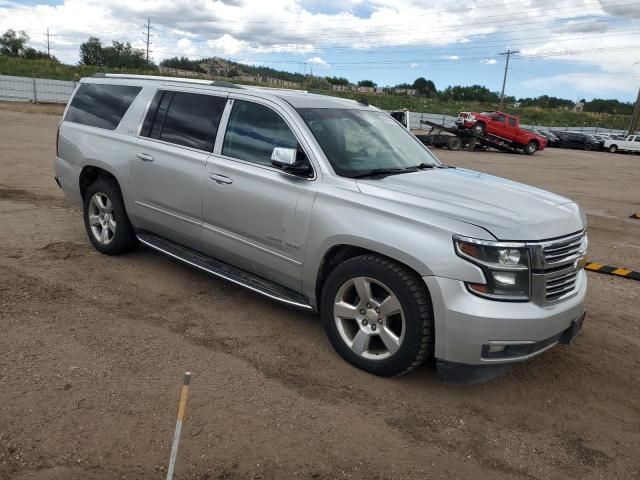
(329, 205)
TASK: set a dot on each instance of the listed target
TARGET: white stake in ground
(176, 435)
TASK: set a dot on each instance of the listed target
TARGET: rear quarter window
(101, 105)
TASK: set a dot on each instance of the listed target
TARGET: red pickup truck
(503, 126)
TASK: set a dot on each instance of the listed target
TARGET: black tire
(454, 143)
(588, 147)
(531, 148)
(613, 148)
(478, 128)
(123, 239)
(408, 287)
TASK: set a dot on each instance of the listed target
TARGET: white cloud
(489, 61)
(414, 65)
(317, 61)
(451, 57)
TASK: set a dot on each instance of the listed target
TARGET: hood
(507, 209)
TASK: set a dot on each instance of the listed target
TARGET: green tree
(33, 54)
(13, 43)
(425, 87)
(123, 55)
(366, 83)
(91, 52)
(337, 81)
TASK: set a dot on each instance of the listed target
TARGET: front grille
(561, 284)
(556, 267)
(563, 251)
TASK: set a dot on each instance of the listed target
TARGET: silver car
(329, 205)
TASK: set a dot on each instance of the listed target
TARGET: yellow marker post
(176, 436)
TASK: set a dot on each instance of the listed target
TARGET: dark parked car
(552, 139)
(578, 140)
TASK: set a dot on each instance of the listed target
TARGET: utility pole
(635, 118)
(148, 36)
(48, 44)
(508, 53)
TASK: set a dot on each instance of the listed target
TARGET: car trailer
(440, 136)
(460, 137)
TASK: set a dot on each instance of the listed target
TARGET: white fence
(31, 89)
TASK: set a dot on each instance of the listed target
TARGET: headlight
(505, 266)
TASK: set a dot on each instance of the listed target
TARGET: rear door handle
(145, 157)
(220, 179)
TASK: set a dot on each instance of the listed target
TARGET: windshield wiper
(374, 172)
(423, 166)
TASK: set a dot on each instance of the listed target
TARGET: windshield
(361, 141)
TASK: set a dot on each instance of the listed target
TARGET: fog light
(505, 278)
(496, 348)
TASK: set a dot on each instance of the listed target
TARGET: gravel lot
(92, 351)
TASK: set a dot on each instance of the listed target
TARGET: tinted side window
(512, 121)
(188, 119)
(101, 105)
(253, 131)
(499, 118)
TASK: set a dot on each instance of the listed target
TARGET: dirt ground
(93, 348)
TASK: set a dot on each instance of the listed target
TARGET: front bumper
(467, 327)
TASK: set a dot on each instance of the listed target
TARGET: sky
(566, 48)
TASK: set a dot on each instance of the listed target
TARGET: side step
(224, 270)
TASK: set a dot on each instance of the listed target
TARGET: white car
(630, 144)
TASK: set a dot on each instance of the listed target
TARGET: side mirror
(283, 157)
(291, 160)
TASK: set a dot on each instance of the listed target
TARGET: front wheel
(613, 148)
(478, 128)
(106, 220)
(530, 148)
(588, 147)
(378, 315)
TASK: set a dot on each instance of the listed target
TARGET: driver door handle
(145, 157)
(220, 179)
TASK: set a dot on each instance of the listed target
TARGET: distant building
(176, 72)
(366, 89)
(274, 82)
(578, 107)
(406, 91)
(379, 90)
(340, 88)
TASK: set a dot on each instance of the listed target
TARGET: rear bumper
(475, 331)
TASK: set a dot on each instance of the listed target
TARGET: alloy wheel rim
(369, 318)
(101, 218)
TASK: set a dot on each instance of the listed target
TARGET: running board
(224, 270)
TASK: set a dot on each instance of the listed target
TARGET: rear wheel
(478, 128)
(530, 148)
(588, 147)
(613, 148)
(106, 220)
(454, 143)
(378, 315)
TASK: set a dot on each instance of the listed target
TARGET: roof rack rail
(213, 83)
